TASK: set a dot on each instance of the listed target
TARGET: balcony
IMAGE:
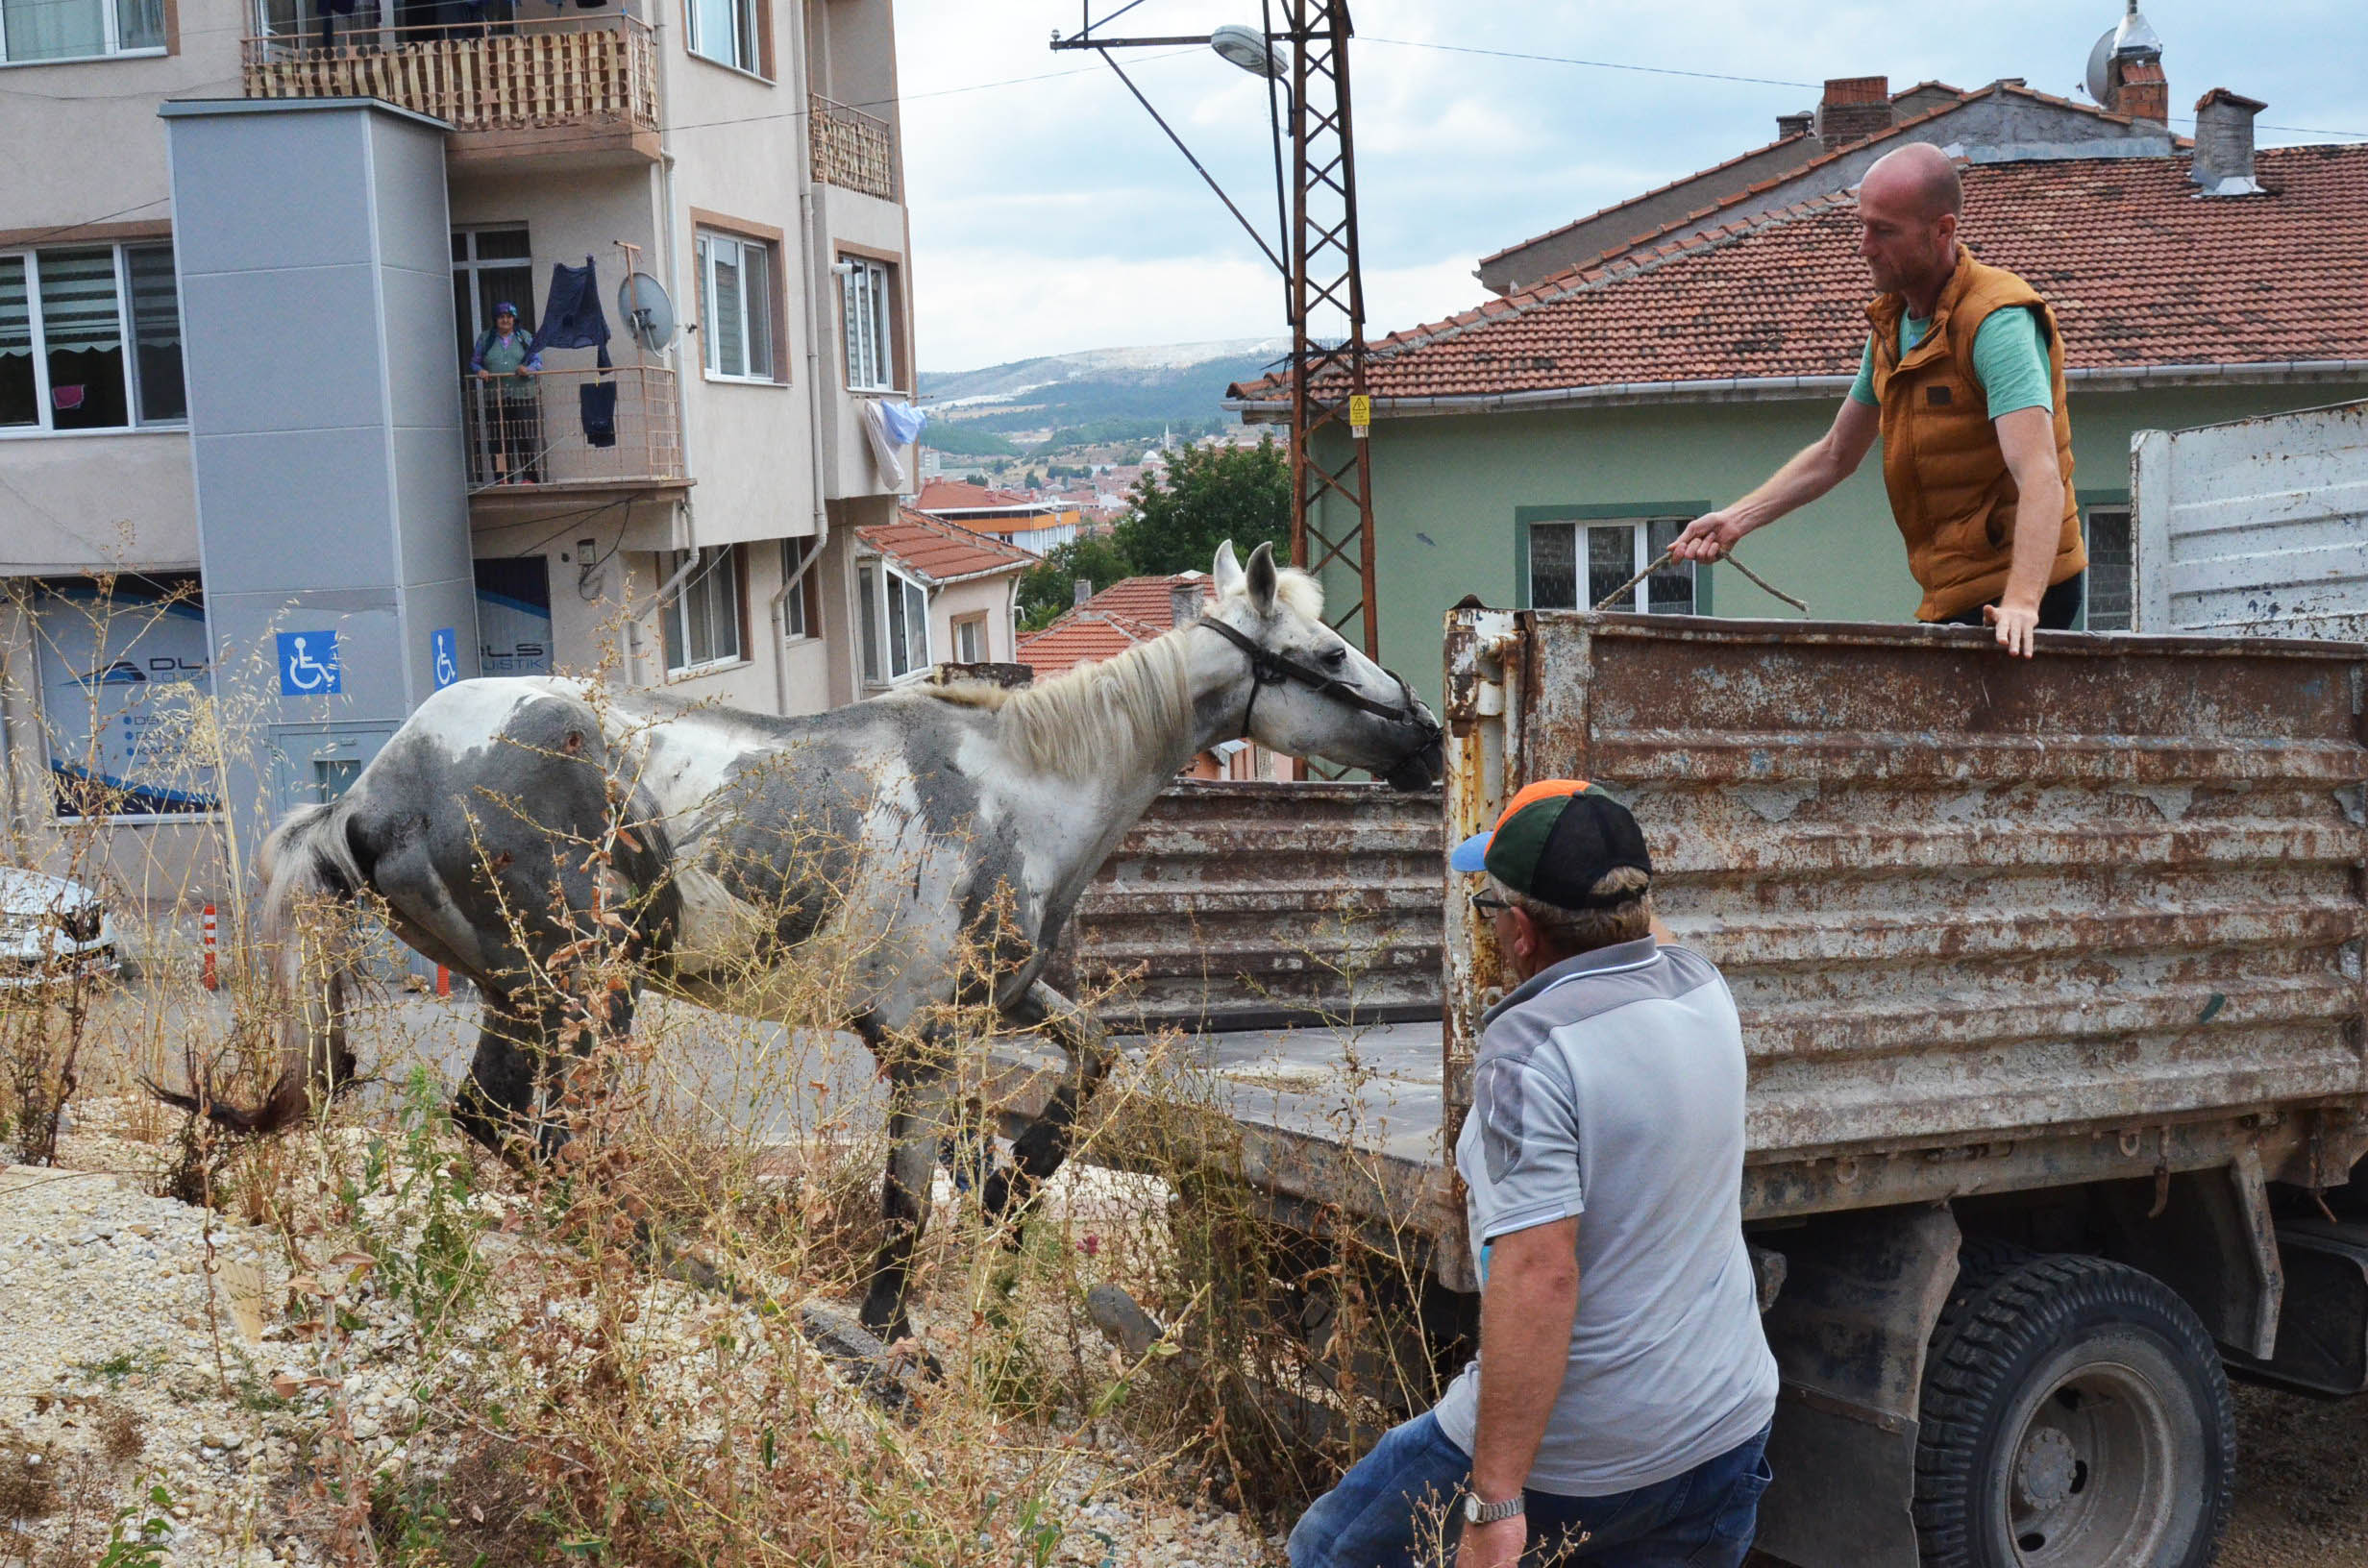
(853, 150)
(582, 86)
(524, 446)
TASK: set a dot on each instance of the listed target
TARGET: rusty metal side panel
(1959, 896)
(1243, 905)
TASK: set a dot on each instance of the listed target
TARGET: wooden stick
(1668, 555)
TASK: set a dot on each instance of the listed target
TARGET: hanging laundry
(889, 427)
(572, 317)
(904, 422)
(598, 403)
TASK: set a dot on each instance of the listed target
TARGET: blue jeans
(1401, 1506)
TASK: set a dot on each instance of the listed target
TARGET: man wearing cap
(1621, 1397)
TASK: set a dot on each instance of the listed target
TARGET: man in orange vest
(1963, 377)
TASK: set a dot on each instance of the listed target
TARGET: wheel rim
(2096, 1471)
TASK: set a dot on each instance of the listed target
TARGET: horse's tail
(310, 878)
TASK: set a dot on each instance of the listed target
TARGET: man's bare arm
(1525, 1314)
(2026, 438)
(1811, 472)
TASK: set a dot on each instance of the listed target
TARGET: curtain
(19, 402)
(53, 29)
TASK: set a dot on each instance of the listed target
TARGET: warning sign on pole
(1360, 415)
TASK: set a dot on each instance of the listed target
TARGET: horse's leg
(496, 1102)
(1038, 1152)
(918, 1099)
(612, 1018)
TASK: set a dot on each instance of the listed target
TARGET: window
(735, 306)
(799, 617)
(969, 639)
(703, 623)
(871, 356)
(35, 30)
(122, 667)
(1613, 552)
(2108, 536)
(895, 622)
(726, 32)
(90, 339)
(490, 267)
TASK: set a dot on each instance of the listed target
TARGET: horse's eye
(1336, 657)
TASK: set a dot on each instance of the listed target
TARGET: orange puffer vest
(1951, 492)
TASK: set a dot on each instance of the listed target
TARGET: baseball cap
(1555, 841)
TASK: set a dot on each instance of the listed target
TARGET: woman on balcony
(509, 407)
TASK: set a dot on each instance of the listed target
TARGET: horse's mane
(1122, 711)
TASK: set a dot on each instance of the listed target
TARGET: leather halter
(1268, 667)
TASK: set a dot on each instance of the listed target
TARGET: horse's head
(1301, 689)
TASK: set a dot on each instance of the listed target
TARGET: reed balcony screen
(853, 150)
(519, 75)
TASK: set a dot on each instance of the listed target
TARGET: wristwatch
(1478, 1513)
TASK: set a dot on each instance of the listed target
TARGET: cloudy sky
(1050, 216)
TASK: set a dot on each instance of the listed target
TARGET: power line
(1598, 64)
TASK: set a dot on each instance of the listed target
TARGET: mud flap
(1861, 1292)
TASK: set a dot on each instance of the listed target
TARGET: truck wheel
(2074, 1415)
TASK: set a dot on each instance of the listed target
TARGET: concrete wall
(1447, 492)
(988, 597)
(74, 503)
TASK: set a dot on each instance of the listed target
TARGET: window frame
(704, 238)
(802, 604)
(110, 47)
(880, 288)
(2090, 501)
(876, 580)
(976, 623)
(675, 625)
(1639, 519)
(127, 338)
(753, 24)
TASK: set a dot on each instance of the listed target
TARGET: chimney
(1795, 125)
(1080, 591)
(2224, 143)
(2133, 81)
(1184, 602)
(1855, 108)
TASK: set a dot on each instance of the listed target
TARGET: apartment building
(248, 250)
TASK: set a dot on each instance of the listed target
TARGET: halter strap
(1268, 667)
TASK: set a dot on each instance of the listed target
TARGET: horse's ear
(1226, 573)
(1261, 578)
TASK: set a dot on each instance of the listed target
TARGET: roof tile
(2140, 270)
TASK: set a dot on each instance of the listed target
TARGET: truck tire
(2074, 1415)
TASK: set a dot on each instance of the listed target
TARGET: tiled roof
(1129, 611)
(1793, 171)
(961, 496)
(2140, 270)
(944, 552)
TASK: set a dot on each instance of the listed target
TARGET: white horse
(731, 856)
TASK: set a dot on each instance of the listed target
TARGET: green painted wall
(1449, 493)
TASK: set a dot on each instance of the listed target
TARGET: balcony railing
(481, 76)
(853, 150)
(546, 431)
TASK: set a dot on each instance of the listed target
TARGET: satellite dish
(2100, 65)
(648, 315)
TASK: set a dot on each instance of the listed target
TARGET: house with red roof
(1135, 610)
(1032, 524)
(931, 591)
(1543, 448)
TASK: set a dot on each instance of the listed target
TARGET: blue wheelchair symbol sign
(447, 651)
(308, 664)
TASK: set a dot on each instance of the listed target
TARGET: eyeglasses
(1487, 905)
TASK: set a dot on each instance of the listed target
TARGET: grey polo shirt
(1611, 1087)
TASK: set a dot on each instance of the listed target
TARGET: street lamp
(1246, 46)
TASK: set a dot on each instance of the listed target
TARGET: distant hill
(1101, 395)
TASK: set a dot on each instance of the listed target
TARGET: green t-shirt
(2010, 361)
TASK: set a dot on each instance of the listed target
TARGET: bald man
(1963, 378)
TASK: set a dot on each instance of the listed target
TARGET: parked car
(52, 928)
